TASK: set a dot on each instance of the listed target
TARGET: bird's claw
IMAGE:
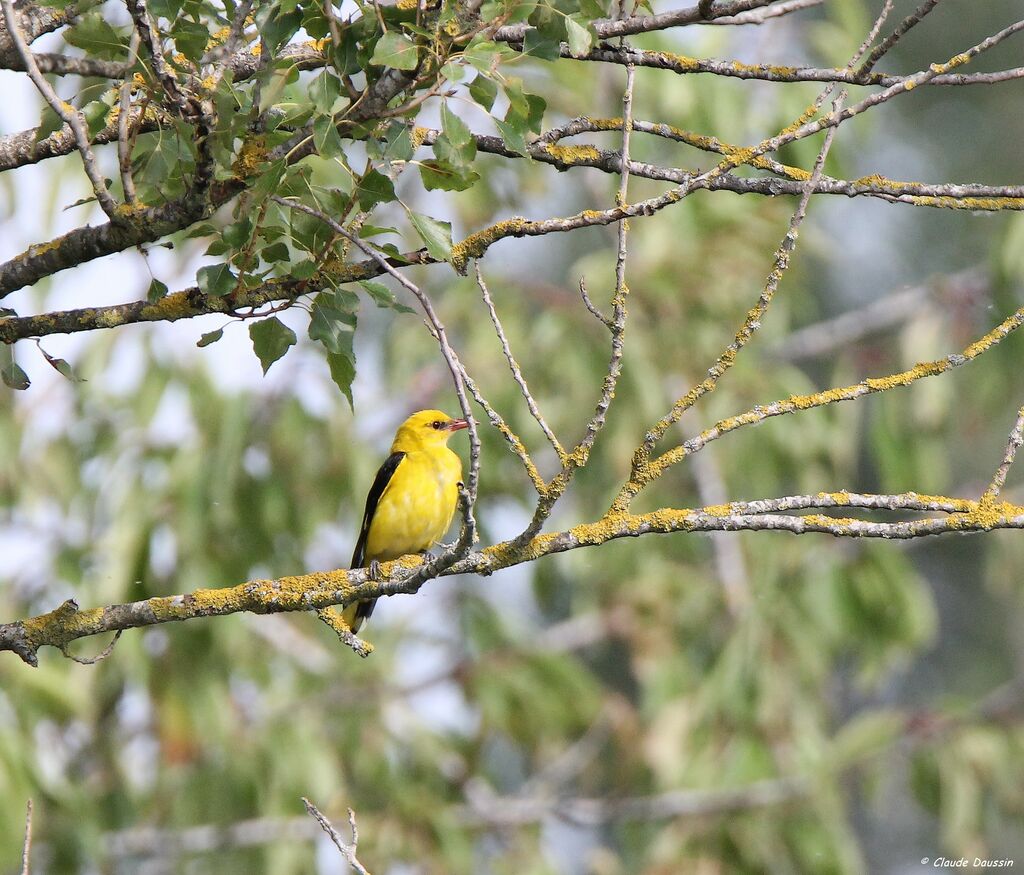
(373, 570)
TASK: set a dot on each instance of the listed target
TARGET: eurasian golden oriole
(412, 499)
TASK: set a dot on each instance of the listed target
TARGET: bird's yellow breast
(417, 506)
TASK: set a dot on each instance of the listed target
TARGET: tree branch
(867, 386)
(342, 587)
(348, 851)
(611, 28)
(71, 116)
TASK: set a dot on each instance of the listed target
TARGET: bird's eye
(436, 423)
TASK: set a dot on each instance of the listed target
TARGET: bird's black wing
(380, 483)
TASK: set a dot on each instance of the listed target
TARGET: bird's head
(426, 429)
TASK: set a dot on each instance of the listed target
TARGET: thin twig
(887, 44)
(641, 471)
(124, 151)
(467, 535)
(345, 635)
(99, 657)
(26, 848)
(332, 24)
(71, 116)
(889, 311)
(580, 455)
(348, 851)
(1013, 444)
(517, 373)
(836, 394)
(511, 438)
(872, 34)
(487, 809)
(592, 307)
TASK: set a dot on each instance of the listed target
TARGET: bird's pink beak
(457, 425)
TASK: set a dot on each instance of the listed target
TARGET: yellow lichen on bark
(572, 154)
(476, 244)
(170, 307)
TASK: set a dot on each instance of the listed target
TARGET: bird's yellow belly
(416, 509)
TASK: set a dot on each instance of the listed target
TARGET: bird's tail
(356, 614)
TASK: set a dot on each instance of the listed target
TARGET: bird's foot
(373, 570)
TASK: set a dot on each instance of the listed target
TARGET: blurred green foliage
(857, 667)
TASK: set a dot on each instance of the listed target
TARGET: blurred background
(871, 690)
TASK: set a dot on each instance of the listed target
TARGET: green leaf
(270, 340)
(541, 43)
(270, 179)
(453, 72)
(395, 50)
(513, 132)
(303, 270)
(280, 28)
(445, 176)
(203, 229)
(382, 296)
(15, 377)
(437, 235)
(333, 324)
(95, 36)
(343, 372)
(216, 280)
(275, 252)
(79, 203)
(483, 91)
(397, 143)
(579, 38)
(49, 122)
(346, 55)
(333, 321)
(61, 367)
(517, 103)
(456, 156)
(326, 137)
(95, 112)
(375, 231)
(191, 38)
(156, 291)
(455, 129)
(375, 188)
(237, 234)
(536, 106)
(273, 81)
(210, 337)
(485, 55)
(168, 9)
(325, 89)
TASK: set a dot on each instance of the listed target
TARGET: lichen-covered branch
(632, 25)
(72, 117)
(191, 302)
(1012, 445)
(687, 65)
(641, 471)
(546, 150)
(306, 592)
(517, 373)
(867, 386)
(348, 851)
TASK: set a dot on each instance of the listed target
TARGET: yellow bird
(412, 499)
